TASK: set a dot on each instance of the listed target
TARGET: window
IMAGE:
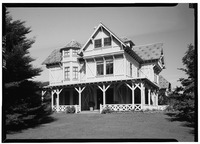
(109, 67)
(66, 53)
(67, 73)
(75, 72)
(100, 68)
(131, 70)
(107, 41)
(75, 51)
(97, 43)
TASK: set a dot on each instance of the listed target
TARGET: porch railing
(63, 108)
(121, 107)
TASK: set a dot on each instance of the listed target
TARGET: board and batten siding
(55, 75)
(147, 71)
(90, 69)
(135, 66)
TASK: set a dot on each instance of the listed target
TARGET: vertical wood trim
(57, 101)
(124, 65)
(52, 99)
(149, 94)
(104, 95)
(142, 95)
(133, 95)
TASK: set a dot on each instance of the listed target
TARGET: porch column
(79, 90)
(57, 100)
(156, 98)
(104, 93)
(133, 93)
(52, 93)
(149, 94)
(142, 94)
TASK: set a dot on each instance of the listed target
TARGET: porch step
(90, 112)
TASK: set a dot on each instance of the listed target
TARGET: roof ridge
(148, 44)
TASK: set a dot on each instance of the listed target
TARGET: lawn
(106, 126)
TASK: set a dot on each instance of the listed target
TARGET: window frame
(97, 46)
(98, 64)
(75, 73)
(67, 73)
(74, 52)
(107, 43)
(67, 53)
(109, 69)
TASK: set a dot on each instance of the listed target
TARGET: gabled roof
(149, 52)
(111, 33)
(163, 83)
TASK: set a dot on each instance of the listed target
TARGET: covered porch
(123, 95)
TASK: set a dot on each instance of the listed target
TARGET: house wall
(135, 66)
(147, 71)
(55, 74)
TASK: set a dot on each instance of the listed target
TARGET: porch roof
(102, 82)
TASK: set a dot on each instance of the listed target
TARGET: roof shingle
(149, 52)
(56, 56)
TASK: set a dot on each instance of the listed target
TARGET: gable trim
(109, 31)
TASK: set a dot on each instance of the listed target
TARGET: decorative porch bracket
(133, 93)
(79, 90)
(141, 90)
(104, 92)
(57, 91)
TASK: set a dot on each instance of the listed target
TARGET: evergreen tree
(184, 95)
(21, 95)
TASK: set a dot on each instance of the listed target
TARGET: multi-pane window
(66, 53)
(75, 51)
(67, 73)
(109, 67)
(75, 72)
(131, 70)
(100, 68)
(107, 41)
(97, 43)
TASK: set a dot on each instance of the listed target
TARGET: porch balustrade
(63, 108)
(121, 107)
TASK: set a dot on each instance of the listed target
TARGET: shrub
(106, 110)
(70, 109)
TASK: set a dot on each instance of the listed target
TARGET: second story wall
(132, 66)
(55, 74)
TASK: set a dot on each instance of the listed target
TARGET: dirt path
(123, 125)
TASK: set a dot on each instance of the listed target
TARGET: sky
(53, 28)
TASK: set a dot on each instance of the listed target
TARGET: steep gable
(100, 32)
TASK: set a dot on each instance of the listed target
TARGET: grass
(109, 126)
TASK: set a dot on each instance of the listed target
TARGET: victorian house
(108, 71)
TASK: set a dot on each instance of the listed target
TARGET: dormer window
(66, 53)
(97, 43)
(107, 41)
(75, 51)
